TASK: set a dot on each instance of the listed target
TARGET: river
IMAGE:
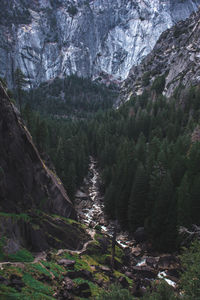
(89, 203)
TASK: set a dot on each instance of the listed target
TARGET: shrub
(115, 292)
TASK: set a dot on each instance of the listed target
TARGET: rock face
(47, 38)
(34, 206)
(25, 182)
(176, 57)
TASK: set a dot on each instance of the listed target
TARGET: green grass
(80, 262)
(22, 255)
(37, 286)
(9, 293)
(37, 268)
(56, 269)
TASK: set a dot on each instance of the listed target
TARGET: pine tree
(20, 83)
(184, 203)
(138, 199)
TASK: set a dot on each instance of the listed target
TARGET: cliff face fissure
(90, 38)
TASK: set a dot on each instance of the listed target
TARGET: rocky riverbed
(141, 266)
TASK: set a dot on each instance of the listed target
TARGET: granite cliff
(89, 38)
(34, 206)
(174, 60)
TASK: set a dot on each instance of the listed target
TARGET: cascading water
(90, 208)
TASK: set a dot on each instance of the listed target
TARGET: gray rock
(80, 274)
(176, 57)
(100, 39)
(67, 263)
(83, 290)
(144, 272)
(28, 183)
(69, 284)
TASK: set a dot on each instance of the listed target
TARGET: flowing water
(90, 207)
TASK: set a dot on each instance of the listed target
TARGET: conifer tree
(20, 83)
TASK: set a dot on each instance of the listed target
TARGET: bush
(115, 293)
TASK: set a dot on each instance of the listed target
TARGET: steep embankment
(88, 38)
(31, 195)
(174, 59)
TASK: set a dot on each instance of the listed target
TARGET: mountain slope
(174, 59)
(33, 202)
(90, 38)
(25, 180)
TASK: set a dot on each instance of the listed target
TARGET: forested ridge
(148, 153)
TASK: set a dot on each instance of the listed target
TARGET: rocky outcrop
(48, 38)
(34, 206)
(25, 181)
(175, 58)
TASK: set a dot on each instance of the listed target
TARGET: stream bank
(141, 266)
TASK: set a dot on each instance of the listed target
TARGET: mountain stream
(89, 203)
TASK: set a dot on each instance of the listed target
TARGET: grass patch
(37, 286)
(22, 255)
(38, 268)
(24, 217)
(67, 220)
(56, 269)
(81, 263)
(9, 293)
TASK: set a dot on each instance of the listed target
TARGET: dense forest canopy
(148, 153)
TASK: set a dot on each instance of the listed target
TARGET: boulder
(64, 295)
(67, 263)
(136, 251)
(81, 195)
(168, 262)
(83, 290)
(68, 284)
(144, 272)
(80, 274)
(152, 261)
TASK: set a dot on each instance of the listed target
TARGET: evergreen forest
(147, 151)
